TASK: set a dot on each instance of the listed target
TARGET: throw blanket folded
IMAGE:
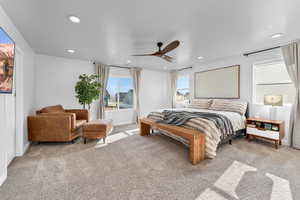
(179, 118)
(214, 126)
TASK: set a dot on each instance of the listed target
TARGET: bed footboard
(196, 138)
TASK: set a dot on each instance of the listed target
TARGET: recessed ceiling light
(200, 57)
(128, 61)
(74, 19)
(71, 51)
(276, 35)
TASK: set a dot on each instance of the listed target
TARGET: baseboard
(3, 178)
(25, 148)
(285, 142)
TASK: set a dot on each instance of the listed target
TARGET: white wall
(246, 83)
(55, 81)
(56, 78)
(155, 91)
(25, 93)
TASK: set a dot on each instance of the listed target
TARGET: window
(272, 78)
(119, 93)
(183, 89)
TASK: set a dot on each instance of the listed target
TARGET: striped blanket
(215, 126)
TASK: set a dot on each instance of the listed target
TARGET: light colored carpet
(137, 168)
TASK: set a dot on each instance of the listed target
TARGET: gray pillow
(200, 103)
(229, 105)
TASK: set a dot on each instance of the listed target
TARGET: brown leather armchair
(56, 124)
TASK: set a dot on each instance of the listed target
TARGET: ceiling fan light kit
(162, 52)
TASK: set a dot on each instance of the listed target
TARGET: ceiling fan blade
(170, 47)
(167, 58)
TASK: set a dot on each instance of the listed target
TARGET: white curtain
(291, 54)
(174, 76)
(102, 70)
(136, 77)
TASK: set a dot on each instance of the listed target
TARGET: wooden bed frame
(196, 138)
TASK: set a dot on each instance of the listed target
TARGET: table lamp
(273, 101)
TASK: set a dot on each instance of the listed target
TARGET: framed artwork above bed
(221, 83)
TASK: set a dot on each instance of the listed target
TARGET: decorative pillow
(53, 109)
(200, 103)
(229, 105)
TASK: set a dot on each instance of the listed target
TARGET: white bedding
(237, 120)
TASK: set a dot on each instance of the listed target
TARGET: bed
(232, 111)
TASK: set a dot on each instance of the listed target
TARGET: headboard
(221, 83)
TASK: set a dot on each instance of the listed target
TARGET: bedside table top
(265, 120)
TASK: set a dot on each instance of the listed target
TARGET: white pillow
(229, 105)
(200, 103)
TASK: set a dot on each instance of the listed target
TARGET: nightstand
(272, 130)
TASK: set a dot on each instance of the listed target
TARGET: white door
(10, 108)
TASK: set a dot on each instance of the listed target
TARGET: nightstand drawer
(267, 133)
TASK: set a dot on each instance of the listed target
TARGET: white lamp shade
(273, 100)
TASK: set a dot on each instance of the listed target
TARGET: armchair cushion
(53, 109)
(81, 114)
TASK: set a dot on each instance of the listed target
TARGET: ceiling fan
(162, 53)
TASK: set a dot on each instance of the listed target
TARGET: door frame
(8, 98)
(19, 96)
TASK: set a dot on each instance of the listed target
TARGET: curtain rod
(259, 51)
(120, 66)
(116, 66)
(184, 68)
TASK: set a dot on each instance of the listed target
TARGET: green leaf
(87, 89)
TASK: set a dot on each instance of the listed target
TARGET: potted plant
(87, 89)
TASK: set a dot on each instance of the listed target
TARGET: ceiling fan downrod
(159, 44)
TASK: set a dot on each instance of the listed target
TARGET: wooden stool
(97, 129)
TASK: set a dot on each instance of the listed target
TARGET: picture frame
(219, 83)
(7, 62)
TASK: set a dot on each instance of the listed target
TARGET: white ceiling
(111, 30)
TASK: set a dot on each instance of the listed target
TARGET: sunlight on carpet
(229, 181)
(116, 137)
(133, 131)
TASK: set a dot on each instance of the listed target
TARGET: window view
(272, 78)
(119, 93)
(183, 89)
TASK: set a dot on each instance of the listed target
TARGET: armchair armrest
(81, 114)
(50, 126)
